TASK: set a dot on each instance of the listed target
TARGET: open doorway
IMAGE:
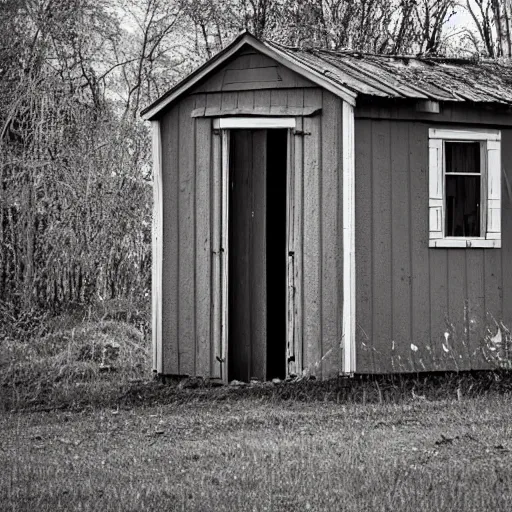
(257, 270)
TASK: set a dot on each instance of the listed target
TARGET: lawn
(256, 454)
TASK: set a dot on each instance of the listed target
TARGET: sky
(461, 19)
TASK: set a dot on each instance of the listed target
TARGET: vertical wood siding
(312, 247)
(318, 173)
(186, 235)
(407, 294)
(203, 277)
(331, 234)
(187, 156)
(170, 250)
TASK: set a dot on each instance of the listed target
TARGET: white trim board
(233, 123)
(488, 243)
(157, 256)
(217, 364)
(224, 254)
(348, 342)
(466, 134)
(275, 111)
(247, 39)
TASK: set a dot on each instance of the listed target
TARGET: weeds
(102, 361)
(73, 367)
(380, 442)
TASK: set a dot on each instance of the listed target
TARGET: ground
(256, 454)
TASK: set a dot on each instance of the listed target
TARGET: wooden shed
(323, 213)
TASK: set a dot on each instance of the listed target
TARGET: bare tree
(142, 50)
(493, 22)
(502, 10)
(71, 171)
(432, 16)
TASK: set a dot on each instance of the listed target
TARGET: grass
(73, 366)
(255, 455)
(86, 427)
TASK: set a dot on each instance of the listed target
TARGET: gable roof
(273, 51)
(349, 74)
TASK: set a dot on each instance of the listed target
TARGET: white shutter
(436, 186)
(493, 231)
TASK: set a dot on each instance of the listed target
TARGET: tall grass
(102, 358)
(72, 366)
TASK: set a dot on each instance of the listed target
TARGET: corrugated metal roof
(440, 79)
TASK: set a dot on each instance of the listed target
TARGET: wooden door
(247, 255)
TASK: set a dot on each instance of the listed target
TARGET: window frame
(490, 189)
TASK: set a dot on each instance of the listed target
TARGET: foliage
(75, 194)
(379, 26)
(103, 361)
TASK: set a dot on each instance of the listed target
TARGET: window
(464, 188)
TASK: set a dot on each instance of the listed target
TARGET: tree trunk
(503, 15)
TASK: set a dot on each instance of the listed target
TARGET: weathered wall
(321, 208)
(406, 292)
(187, 226)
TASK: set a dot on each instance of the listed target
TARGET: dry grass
(72, 367)
(251, 455)
(113, 438)
(107, 364)
(68, 363)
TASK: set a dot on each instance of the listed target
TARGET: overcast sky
(462, 18)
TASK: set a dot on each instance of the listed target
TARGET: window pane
(462, 156)
(463, 206)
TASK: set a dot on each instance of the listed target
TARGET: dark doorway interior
(257, 255)
(276, 253)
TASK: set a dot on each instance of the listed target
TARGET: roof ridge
(358, 53)
(419, 56)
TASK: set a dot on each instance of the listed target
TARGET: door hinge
(301, 132)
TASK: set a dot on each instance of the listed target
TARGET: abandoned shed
(330, 213)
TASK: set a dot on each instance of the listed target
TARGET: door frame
(220, 238)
